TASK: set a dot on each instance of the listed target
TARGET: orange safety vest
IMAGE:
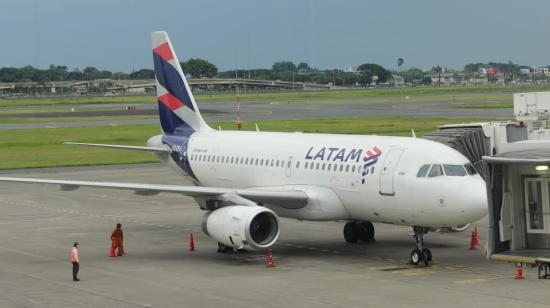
(117, 234)
(74, 255)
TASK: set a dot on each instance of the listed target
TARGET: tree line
(365, 74)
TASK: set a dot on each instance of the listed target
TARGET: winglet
(413, 134)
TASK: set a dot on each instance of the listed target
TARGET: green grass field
(43, 147)
(54, 120)
(231, 97)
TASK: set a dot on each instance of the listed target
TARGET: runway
(314, 266)
(271, 110)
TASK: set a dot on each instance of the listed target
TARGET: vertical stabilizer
(178, 111)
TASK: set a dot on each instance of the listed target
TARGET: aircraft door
(388, 171)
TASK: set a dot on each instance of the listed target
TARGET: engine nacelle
(238, 226)
(455, 229)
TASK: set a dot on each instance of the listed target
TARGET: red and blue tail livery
(178, 111)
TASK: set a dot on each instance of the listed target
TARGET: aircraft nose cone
(476, 200)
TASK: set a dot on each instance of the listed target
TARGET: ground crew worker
(75, 259)
(117, 239)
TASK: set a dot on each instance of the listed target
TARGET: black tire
(427, 254)
(351, 232)
(366, 231)
(417, 256)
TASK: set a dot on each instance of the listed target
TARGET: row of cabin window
(273, 163)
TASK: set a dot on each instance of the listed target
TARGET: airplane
(246, 180)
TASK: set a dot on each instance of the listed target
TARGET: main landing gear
(355, 231)
(420, 253)
(222, 248)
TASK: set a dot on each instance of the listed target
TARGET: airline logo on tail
(178, 112)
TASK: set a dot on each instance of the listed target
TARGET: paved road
(265, 110)
(314, 267)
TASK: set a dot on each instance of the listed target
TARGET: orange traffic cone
(472, 243)
(112, 252)
(519, 272)
(191, 242)
(476, 237)
(270, 259)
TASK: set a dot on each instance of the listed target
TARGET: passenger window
(257, 160)
(262, 162)
(435, 171)
(312, 165)
(288, 164)
(353, 168)
(323, 166)
(305, 166)
(347, 168)
(317, 167)
(422, 171)
(297, 164)
(454, 170)
(242, 160)
(470, 169)
(277, 163)
(246, 161)
(341, 168)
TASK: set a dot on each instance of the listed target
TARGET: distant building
(524, 71)
(398, 81)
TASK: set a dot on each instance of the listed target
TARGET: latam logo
(334, 154)
(370, 159)
(344, 155)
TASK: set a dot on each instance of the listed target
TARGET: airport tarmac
(314, 266)
(274, 110)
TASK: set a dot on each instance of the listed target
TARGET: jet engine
(455, 229)
(238, 226)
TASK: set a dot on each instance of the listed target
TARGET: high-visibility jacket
(117, 234)
(74, 255)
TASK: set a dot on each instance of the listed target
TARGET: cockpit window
(435, 171)
(423, 170)
(470, 169)
(454, 170)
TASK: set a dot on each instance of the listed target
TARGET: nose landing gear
(355, 231)
(420, 253)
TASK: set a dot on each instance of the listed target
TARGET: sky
(114, 34)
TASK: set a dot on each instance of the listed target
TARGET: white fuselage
(331, 170)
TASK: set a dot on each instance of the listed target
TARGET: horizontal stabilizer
(122, 147)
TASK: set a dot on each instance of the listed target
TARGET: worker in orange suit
(117, 239)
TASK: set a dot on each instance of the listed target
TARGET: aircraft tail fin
(178, 111)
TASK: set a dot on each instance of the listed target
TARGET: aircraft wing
(289, 198)
(122, 147)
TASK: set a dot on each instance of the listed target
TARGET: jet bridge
(468, 139)
(518, 184)
(514, 159)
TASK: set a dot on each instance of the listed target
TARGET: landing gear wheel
(351, 232)
(428, 254)
(366, 231)
(417, 256)
(420, 253)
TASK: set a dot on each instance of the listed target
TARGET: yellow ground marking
(485, 279)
